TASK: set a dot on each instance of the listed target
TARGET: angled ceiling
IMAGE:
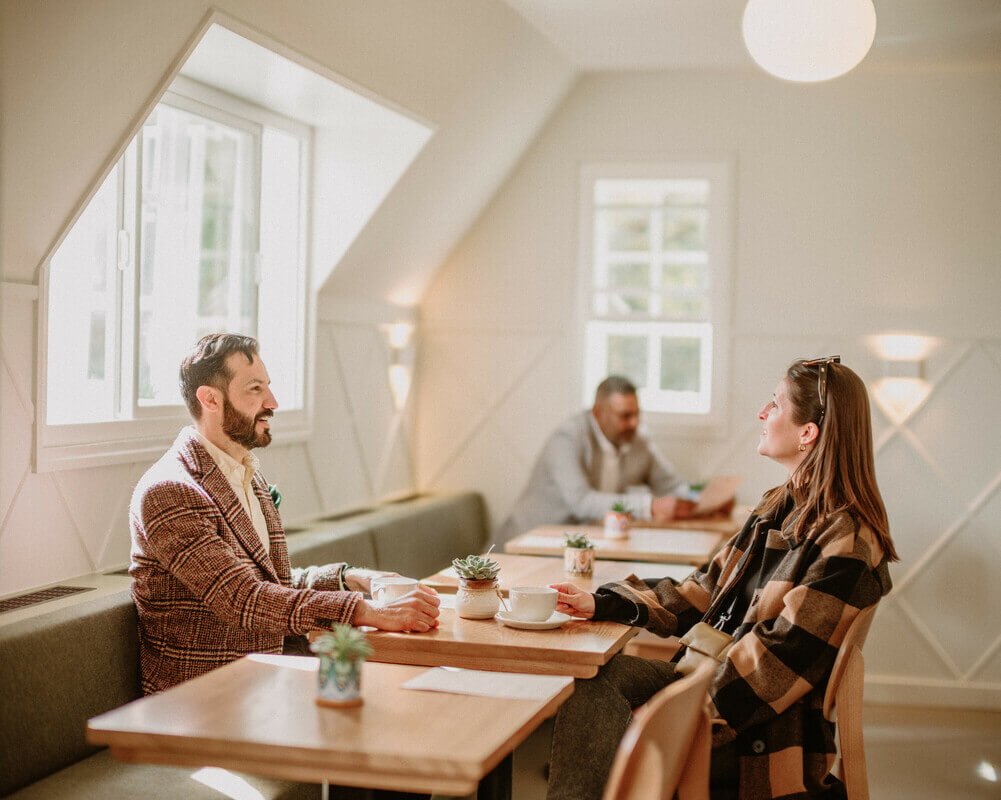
(685, 34)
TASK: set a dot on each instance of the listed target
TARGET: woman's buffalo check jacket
(768, 694)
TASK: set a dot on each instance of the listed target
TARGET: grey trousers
(590, 725)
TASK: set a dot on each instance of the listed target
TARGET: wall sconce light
(808, 40)
(401, 361)
(903, 386)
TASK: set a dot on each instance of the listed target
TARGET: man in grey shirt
(589, 463)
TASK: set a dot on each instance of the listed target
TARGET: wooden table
(663, 545)
(715, 523)
(259, 715)
(578, 648)
(517, 570)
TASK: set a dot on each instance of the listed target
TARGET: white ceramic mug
(386, 589)
(533, 603)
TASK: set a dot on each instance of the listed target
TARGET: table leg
(496, 784)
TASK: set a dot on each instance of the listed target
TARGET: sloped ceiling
(75, 78)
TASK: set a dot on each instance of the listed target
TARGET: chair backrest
(666, 747)
(843, 705)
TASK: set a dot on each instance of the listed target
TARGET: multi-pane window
(656, 273)
(199, 228)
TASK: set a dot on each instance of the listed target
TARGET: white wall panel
(863, 206)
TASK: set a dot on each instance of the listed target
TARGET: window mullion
(128, 282)
(656, 234)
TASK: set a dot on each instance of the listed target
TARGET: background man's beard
(243, 429)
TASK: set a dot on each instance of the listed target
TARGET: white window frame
(719, 238)
(152, 428)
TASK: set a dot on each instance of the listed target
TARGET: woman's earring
(802, 447)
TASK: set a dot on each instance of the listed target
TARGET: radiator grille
(40, 596)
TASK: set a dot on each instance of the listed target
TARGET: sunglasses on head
(822, 363)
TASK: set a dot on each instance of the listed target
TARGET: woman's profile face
(781, 437)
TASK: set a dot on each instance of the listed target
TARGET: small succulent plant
(343, 643)
(476, 568)
(578, 541)
(620, 508)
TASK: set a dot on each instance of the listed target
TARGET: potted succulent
(342, 651)
(478, 595)
(617, 521)
(578, 555)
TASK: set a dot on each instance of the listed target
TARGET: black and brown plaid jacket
(206, 591)
(768, 694)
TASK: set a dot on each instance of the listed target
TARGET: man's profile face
(248, 403)
(618, 416)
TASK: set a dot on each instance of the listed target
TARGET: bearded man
(212, 579)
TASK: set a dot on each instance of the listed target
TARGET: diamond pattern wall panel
(40, 543)
(957, 597)
(895, 647)
(959, 424)
(919, 506)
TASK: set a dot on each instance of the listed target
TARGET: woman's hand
(573, 600)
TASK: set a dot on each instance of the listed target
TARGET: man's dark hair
(205, 365)
(613, 384)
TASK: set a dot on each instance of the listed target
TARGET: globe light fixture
(808, 40)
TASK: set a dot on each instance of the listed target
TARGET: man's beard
(243, 429)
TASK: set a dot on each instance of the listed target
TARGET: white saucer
(555, 621)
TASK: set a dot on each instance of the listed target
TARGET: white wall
(74, 80)
(865, 205)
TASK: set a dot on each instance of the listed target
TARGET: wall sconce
(808, 40)
(903, 386)
(401, 361)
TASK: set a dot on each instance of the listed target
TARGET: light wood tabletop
(259, 715)
(517, 570)
(577, 648)
(663, 545)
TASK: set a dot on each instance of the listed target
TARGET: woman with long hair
(812, 555)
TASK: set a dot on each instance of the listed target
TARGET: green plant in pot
(342, 652)
(578, 554)
(478, 595)
(617, 521)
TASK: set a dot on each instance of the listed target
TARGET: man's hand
(664, 509)
(573, 600)
(416, 611)
(357, 579)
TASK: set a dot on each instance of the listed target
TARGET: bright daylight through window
(656, 273)
(199, 228)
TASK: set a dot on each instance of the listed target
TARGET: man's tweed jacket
(206, 591)
(768, 694)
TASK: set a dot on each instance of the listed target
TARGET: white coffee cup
(533, 603)
(386, 589)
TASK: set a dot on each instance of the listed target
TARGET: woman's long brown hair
(838, 473)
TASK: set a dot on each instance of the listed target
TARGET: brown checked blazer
(206, 591)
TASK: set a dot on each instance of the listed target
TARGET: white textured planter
(617, 525)
(579, 562)
(477, 599)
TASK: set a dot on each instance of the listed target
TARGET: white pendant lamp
(809, 40)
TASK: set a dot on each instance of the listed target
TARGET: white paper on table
(541, 541)
(512, 685)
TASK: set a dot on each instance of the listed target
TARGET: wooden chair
(666, 747)
(843, 706)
